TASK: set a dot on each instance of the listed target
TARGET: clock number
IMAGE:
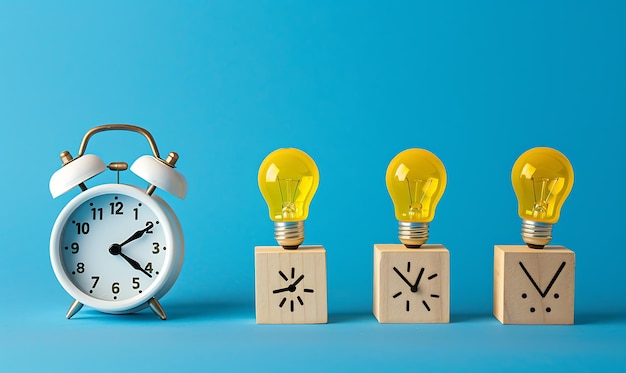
(136, 283)
(116, 208)
(96, 212)
(95, 281)
(155, 249)
(149, 267)
(136, 210)
(115, 288)
(74, 247)
(80, 267)
(149, 224)
(82, 228)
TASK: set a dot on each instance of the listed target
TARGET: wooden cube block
(411, 285)
(533, 286)
(290, 285)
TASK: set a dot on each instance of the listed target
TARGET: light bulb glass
(288, 179)
(416, 180)
(542, 179)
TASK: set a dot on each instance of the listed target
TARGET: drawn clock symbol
(291, 288)
(542, 293)
(424, 292)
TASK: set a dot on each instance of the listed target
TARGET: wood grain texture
(275, 270)
(396, 268)
(533, 286)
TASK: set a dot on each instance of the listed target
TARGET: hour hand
(419, 277)
(402, 277)
(138, 234)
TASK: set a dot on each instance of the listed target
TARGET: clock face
(292, 290)
(290, 285)
(114, 250)
(418, 292)
(411, 285)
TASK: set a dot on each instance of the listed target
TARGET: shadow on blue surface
(194, 310)
(599, 318)
(340, 317)
(183, 311)
(470, 317)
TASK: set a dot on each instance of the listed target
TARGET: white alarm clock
(117, 248)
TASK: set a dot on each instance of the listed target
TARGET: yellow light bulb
(288, 179)
(542, 179)
(416, 180)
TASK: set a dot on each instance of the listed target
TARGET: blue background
(224, 83)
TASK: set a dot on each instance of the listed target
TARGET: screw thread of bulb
(289, 235)
(536, 234)
(411, 234)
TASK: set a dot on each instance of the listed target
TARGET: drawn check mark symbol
(556, 275)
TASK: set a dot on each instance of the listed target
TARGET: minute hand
(134, 264)
(402, 277)
(138, 234)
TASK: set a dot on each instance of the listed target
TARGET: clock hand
(134, 263)
(419, 277)
(116, 249)
(280, 290)
(298, 280)
(138, 234)
(290, 288)
(402, 277)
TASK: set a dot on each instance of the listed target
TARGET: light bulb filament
(546, 191)
(288, 189)
(417, 195)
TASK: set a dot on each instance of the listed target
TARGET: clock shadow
(342, 317)
(599, 318)
(470, 317)
(209, 310)
(177, 310)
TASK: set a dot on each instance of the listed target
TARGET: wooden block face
(290, 285)
(533, 286)
(411, 285)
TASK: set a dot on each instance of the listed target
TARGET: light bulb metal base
(536, 234)
(413, 235)
(289, 235)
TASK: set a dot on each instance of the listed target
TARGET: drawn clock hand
(281, 290)
(403, 278)
(417, 282)
(298, 280)
(290, 288)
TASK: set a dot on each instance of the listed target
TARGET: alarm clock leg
(156, 308)
(74, 308)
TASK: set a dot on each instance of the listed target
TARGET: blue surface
(352, 84)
